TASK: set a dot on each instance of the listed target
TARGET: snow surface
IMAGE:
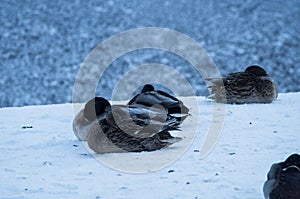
(45, 160)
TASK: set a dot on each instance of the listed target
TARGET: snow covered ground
(41, 157)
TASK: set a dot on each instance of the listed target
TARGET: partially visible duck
(91, 112)
(284, 179)
(149, 97)
(131, 129)
(251, 86)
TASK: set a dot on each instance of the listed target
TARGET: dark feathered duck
(284, 179)
(92, 111)
(251, 86)
(149, 97)
(128, 128)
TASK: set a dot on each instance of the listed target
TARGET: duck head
(292, 160)
(147, 88)
(256, 70)
(95, 108)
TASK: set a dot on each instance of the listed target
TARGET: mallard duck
(284, 179)
(129, 128)
(251, 86)
(92, 111)
(149, 97)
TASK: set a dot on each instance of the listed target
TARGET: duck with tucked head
(90, 114)
(284, 179)
(149, 97)
(129, 128)
(251, 86)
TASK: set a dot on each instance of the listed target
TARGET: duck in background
(284, 179)
(251, 86)
(129, 128)
(149, 97)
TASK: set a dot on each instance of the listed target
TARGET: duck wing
(287, 184)
(140, 122)
(134, 142)
(237, 81)
(174, 107)
(152, 98)
(233, 88)
(273, 174)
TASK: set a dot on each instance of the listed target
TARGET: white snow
(46, 161)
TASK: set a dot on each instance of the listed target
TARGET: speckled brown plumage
(132, 129)
(251, 86)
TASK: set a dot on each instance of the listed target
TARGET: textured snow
(43, 43)
(45, 160)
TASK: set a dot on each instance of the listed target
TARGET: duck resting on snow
(284, 179)
(149, 97)
(90, 114)
(141, 125)
(129, 128)
(251, 86)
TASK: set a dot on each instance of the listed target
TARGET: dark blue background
(42, 42)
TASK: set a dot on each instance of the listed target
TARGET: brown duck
(251, 86)
(129, 128)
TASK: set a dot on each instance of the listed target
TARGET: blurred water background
(43, 43)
